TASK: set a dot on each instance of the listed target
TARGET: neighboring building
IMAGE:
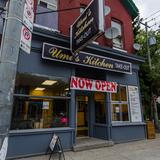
(43, 101)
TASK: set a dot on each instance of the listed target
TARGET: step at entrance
(91, 143)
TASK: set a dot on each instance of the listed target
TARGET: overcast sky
(148, 8)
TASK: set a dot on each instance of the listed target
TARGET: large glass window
(100, 108)
(40, 102)
(119, 102)
(48, 19)
(118, 41)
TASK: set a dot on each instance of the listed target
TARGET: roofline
(131, 7)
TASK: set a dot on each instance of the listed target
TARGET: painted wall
(118, 11)
(36, 142)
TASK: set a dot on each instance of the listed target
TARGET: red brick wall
(117, 11)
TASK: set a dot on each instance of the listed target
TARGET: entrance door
(82, 116)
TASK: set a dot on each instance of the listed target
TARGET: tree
(150, 77)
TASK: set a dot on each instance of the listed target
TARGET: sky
(148, 9)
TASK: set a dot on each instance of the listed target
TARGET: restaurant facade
(91, 93)
(72, 96)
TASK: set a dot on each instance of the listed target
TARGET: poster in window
(134, 100)
(45, 105)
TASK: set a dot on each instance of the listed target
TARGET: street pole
(154, 112)
(148, 49)
(8, 67)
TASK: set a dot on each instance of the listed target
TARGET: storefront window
(120, 105)
(40, 102)
(100, 109)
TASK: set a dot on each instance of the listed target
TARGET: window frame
(120, 103)
(119, 37)
(48, 4)
(43, 98)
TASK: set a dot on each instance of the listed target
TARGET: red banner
(79, 83)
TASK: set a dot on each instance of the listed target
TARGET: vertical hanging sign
(88, 26)
(27, 28)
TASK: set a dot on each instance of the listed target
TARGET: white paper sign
(28, 17)
(134, 104)
(26, 37)
(45, 105)
(3, 151)
(53, 142)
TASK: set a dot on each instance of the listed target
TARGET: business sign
(26, 37)
(86, 84)
(28, 17)
(134, 100)
(61, 54)
(88, 26)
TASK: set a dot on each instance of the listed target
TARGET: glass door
(82, 116)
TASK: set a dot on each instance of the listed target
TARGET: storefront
(103, 102)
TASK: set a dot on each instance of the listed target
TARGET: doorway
(82, 116)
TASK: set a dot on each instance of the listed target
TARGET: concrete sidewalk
(138, 150)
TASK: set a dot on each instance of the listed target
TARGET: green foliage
(149, 77)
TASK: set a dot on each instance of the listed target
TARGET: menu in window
(134, 100)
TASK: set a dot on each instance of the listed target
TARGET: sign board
(135, 108)
(28, 17)
(26, 37)
(88, 26)
(3, 151)
(61, 54)
(92, 85)
(53, 142)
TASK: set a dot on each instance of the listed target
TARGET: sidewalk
(138, 150)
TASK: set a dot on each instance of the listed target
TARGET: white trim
(46, 28)
(119, 49)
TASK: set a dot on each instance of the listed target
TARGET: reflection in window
(40, 102)
(100, 109)
(120, 105)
